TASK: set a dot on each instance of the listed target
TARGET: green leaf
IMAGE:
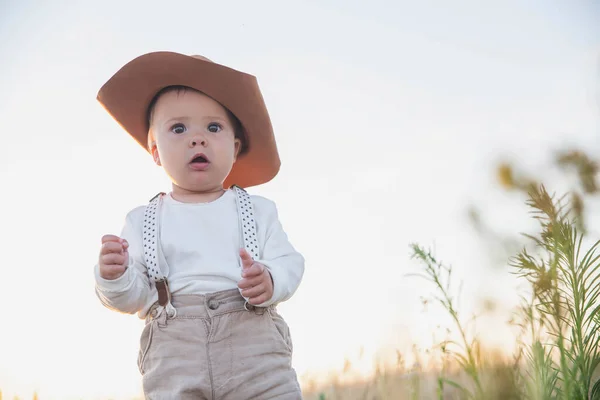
(595, 393)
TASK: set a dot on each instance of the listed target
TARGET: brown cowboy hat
(128, 93)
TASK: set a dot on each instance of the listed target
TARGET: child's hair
(235, 122)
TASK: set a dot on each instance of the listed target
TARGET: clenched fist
(113, 257)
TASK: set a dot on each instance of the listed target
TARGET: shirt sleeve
(128, 293)
(285, 264)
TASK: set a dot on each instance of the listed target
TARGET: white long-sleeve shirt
(200, 243)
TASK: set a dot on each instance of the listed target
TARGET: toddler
(206, 263)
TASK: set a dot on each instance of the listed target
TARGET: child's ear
(237, 143)
(155, 154)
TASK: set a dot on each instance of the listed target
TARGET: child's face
(194, 140)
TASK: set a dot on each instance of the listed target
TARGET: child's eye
(214, 127)
(178, 128)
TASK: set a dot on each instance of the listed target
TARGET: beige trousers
(215, 349)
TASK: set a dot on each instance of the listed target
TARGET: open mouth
(199, 162)
(200, 159)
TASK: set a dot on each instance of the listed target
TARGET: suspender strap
(151, 239)
(247, 222)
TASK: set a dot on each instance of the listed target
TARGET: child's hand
(113, 257)
(257, 284)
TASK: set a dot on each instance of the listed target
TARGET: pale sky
(388, 117)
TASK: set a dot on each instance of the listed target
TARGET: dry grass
(558, 349)
(398, 382)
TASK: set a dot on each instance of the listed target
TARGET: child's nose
(197, 140)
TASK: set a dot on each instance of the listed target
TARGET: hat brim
(128, 93)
